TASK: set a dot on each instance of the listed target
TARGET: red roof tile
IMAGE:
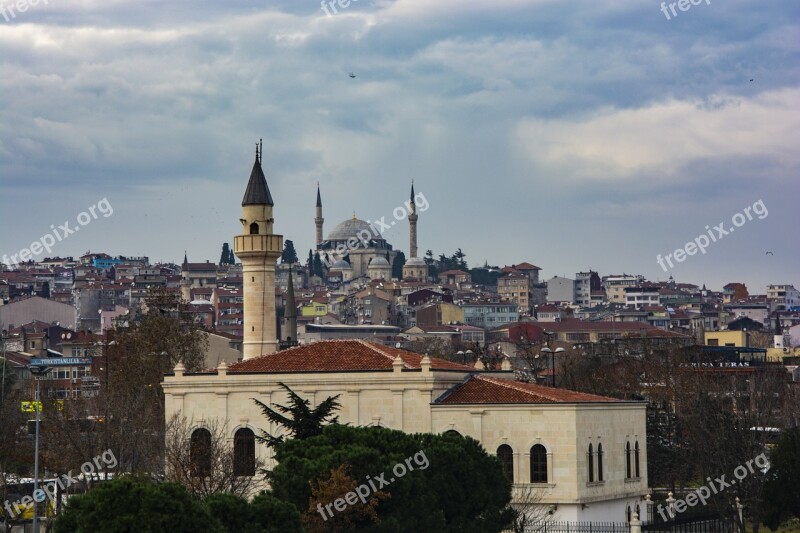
(339, 356)
(483, 389)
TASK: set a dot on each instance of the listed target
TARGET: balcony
(246, 245)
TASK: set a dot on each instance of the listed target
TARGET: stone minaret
(412, 223)
(186, 284)
(258, 249)
(319, 220)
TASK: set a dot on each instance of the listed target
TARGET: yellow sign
(31, 407)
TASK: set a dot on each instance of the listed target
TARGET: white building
(584, 454)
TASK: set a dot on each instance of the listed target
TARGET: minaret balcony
(253, 245)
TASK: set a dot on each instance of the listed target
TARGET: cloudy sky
(571, 134)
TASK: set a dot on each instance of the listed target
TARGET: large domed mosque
(366, 252)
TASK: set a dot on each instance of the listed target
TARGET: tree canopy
(133, 504)
(127, 504)
(299, 420)
(397, 266)
(289, 254)
(458, 487)
(782, 491)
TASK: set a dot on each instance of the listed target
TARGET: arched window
(506, 456)
(200, 452)
(636, 458)
(244, 453)
(591, 463)
(254, 228)
(637, 512)
(538, 464)
(628, 513)
(628, 460)
(452, 433)
(599, 462)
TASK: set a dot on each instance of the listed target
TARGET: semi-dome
(341, 264)
(353, 228)
(379, 261)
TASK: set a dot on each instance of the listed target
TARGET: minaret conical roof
(257, 192)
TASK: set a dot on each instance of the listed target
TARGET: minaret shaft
(319, 220)
(258, 249)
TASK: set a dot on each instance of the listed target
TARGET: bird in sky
(770, 253)
(353, 75)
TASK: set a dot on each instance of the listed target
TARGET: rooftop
(489, 390)
(340, 356)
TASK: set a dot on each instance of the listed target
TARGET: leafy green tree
(231, 258)
(485, 276)
(271, 515)
(265, 514)
(310, 263)
(782, 491)
(454, 486)
(301, 421)
(129, 504)
(397, 266)
(289, 254)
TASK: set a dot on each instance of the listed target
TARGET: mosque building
(355, 248)
(583, 456)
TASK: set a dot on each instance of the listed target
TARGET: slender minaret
(319, 220)
(186, 284)
(412, 223)
(258, 249)
(290, 315)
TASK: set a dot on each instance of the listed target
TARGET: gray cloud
(572, 135)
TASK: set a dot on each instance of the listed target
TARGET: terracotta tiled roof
(525, 266)
(483, 389)
(339, 356)
(200, 266)
(454, 273)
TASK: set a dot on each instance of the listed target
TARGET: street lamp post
(3, 393)
(547, 350)
(38, 371)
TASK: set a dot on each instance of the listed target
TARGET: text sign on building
(31, 407)
(61, 361)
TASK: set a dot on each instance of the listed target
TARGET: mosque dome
(379, 262)
(341, 264)
(353, 228)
